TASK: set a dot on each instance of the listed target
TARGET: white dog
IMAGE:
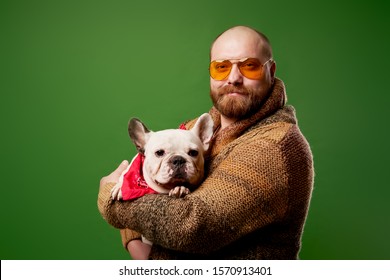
(173, 159)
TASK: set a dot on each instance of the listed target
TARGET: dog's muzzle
(177, 162)
(178, 166)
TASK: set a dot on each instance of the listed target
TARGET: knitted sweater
(253, 203)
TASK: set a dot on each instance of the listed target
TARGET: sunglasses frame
(236, 61)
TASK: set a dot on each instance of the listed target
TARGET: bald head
(251, 42)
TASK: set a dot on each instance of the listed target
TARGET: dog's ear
(139, 134)
(203, 128)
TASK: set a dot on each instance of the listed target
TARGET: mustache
(231, 88)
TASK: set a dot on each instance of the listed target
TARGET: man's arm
(231, 203)
(131, 240)
(138, 250)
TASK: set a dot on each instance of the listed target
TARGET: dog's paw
(116, 192)
(179, 192)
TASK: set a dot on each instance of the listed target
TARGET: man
(254, 202)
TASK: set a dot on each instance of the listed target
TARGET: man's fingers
(122, 167)
(114, 176)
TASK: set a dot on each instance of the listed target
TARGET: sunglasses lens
(251, 68)
(220, 70)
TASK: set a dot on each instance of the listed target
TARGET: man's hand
(138, 250)
(114, 176)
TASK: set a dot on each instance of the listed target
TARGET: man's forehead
(236, 45)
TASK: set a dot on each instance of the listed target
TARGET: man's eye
(159, 153)
(250, 64)
(193, 153)
(222, 66)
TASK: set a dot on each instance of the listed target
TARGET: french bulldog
(174, 158)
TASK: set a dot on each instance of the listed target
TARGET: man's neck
(225, 121)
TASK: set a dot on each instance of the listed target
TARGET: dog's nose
(178, 161)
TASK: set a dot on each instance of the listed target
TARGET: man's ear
(273, 70)
(139, 134)
(203, 128)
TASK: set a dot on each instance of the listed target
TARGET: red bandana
(134, 184)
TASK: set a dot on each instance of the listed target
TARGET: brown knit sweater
(252, 205)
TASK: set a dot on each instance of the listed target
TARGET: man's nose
(235, 76)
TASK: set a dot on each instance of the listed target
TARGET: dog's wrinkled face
(173, 157)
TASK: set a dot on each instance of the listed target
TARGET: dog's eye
(159, 153)
(193, 153)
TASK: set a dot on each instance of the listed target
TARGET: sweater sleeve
(128, 235)
(104, 201)
(248, 190)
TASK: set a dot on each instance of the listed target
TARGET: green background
(73, 73)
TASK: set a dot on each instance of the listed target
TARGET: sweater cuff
(107, 206)
(128, 235)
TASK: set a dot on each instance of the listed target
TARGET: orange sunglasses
(251, 68)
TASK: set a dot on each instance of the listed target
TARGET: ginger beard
(237, 106)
